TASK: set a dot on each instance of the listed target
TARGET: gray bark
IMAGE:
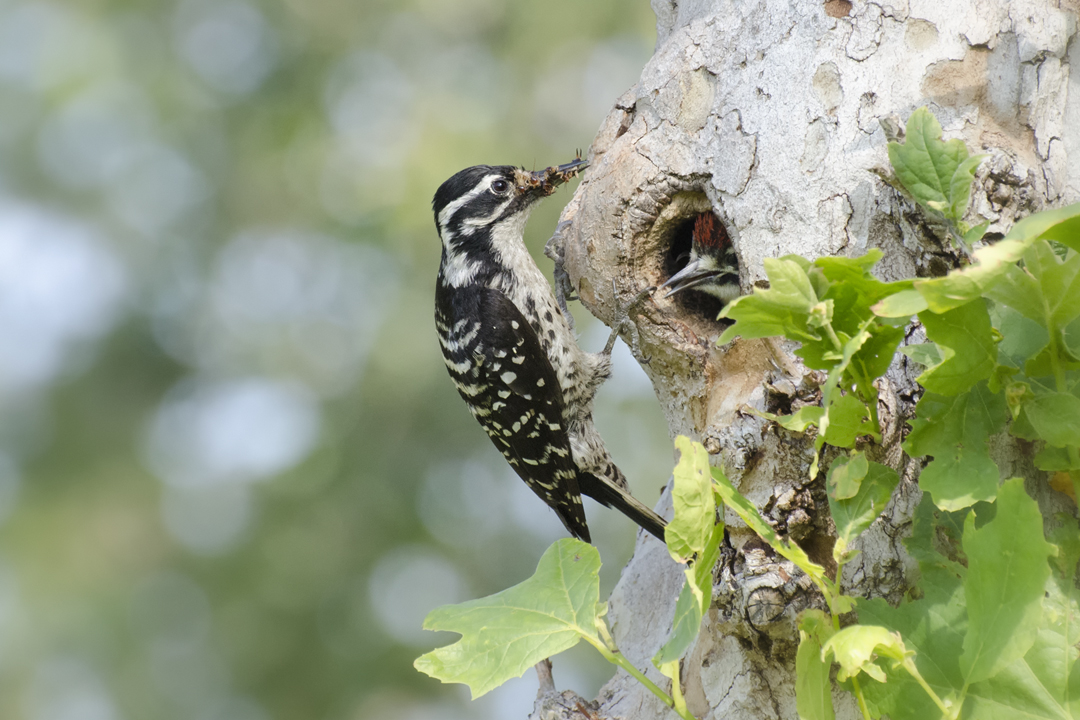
(773, 114)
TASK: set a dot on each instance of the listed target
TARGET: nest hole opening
(693, 301)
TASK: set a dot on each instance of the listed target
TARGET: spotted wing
(504, 375)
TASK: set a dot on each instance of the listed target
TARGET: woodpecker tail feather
(603, 492)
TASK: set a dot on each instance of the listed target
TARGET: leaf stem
(833, 338)
(617, 658)
(914, 672)
(859, 696)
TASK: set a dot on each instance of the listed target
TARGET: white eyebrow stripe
(447, 212)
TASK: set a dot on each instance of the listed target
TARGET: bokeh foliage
(233, 474)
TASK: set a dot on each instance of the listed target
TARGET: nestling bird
(712, 267)
(511, 353)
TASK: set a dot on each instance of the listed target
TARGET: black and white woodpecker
(713, 267)
(511, 353)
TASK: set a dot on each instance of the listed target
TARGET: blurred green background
(234, 476)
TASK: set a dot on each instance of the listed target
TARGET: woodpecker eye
(500, 186)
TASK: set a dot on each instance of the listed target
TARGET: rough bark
(774, 115)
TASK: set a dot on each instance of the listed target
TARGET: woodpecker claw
(623, 315)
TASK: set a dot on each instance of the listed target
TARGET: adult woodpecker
(510, 352)
(712, 267)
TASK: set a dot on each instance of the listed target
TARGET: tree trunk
(774, 115)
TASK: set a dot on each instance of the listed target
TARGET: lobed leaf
(813, 689)
(505, 634)
(693, 536)
(854, 514)
(856, 647)
(845, 475)
(966, 339)
(933, 628)
(1007, 571)
(991, 262)
(955, 431)
(927, 166)
(902, 304)
(848, 417)
(1042, 684)
(692, 496)
(1055, 417)
(781, 309)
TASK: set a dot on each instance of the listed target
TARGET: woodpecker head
(712, 267)
(486, 195)
(481, 212)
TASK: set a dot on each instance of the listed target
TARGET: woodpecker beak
(691, 275)
(545, 181)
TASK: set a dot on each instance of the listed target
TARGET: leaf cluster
(827, 306)
(991, 630)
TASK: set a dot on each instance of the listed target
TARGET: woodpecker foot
(564, 291)
(622, 319)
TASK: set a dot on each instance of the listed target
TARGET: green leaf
(799, 420)
(684, 628)
(1070, 335)
(955, 431)
(781, 309)
(975, 234)
(845, 475)
(856, 647)
(1055, 417)
(935, 541)
(1041, 684)
(693, 602)
(927, 166)
(991, 262)
(902, 304)
(960, 187)
(1046, 290)
(1032, 688)
(692, 535)
(1054, 459)
(813, 690)
(749, 514)
(1062, 225)
(692, 497)
(966, 340)
(1061, 286)
(856, 513)
(854, 274)
(505, 634)
(1019, 290)
(848, 418)
(933, 627)
(1022, 337)
(1007, 571)
(926, 354)
(876, 354)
